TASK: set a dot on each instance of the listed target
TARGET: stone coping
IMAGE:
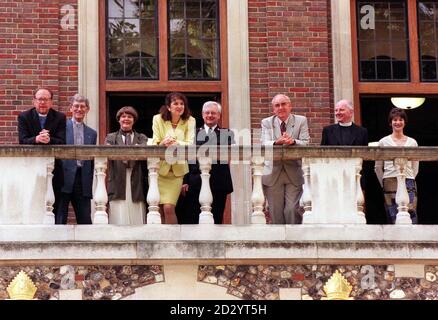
(218, 243)
(235, 152)
(257, 233)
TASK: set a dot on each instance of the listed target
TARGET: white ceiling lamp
(407, 103)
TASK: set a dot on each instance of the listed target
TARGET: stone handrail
(254, 155)
(235, 152)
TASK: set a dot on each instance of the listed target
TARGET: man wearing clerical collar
(345, 132)
(43, 125)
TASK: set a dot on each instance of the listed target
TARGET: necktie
(78, 138)
(128, 139)
(210, 130)
(283, 127)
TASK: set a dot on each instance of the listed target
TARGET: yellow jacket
(184, 134)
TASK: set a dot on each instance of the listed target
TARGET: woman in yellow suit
(172, 126)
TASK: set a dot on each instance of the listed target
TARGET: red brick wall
(290, 52)
(34, 51)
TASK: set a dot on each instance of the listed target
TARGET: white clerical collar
(207, 127)
(346, 124)
(42, 115)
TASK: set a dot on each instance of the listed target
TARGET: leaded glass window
(428, 39)
(193, 39)
(132, 39)
(383, 41)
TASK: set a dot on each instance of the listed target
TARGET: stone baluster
(402, 196)
(307, 193)
(257, 198)
(49, 217)
(153, 198)
(205, 196)
(360, 200)
(100, 195)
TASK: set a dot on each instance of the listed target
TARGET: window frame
(413, 87)
(163, 84)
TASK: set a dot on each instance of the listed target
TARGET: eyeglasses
(43, 99)
(79, 106)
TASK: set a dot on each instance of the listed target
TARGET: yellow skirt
(170, 188)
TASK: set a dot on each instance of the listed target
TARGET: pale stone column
(402, 196)
(239, 99)
(258, 198)
(205, 196)
(153, 198)
(100, 196)
(359, 195)
(88, 32)
(306, 198)
(342, 50)
(49, 217)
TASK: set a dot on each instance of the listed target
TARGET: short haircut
(129, 110)
(212, 103)
(280, 95)
(79, 98)
(346, 102)
(164, 111)
(41, 88)
(396, 112)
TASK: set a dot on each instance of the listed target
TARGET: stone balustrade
(331, 174)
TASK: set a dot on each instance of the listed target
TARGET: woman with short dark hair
(387, 172)
(127, 180)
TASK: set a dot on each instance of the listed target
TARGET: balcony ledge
(222, 244)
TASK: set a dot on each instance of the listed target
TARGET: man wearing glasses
(43, 125)
(78, 174)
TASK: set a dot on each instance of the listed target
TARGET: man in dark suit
(78, 175)
(345, 132)
(43, 125)
(221, 183)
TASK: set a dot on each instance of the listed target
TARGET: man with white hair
(221, 183)
(344, 132)
(283, 181)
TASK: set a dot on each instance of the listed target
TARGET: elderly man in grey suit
(78, 174)
(283, 181)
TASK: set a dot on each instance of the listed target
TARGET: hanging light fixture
(407, 103)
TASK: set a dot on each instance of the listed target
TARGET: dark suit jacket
(220, 179)
(117, 171)
(29, 128)
(70, 166)
(331, 136)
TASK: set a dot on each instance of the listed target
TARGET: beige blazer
(298, 129)
(184, 134)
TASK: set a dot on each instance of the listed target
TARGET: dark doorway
(423, 127)
(148, 105)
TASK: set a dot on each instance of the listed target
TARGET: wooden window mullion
(413, 41)
(163, 41)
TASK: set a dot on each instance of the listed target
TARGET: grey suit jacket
(298, 129)
(70, 166)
